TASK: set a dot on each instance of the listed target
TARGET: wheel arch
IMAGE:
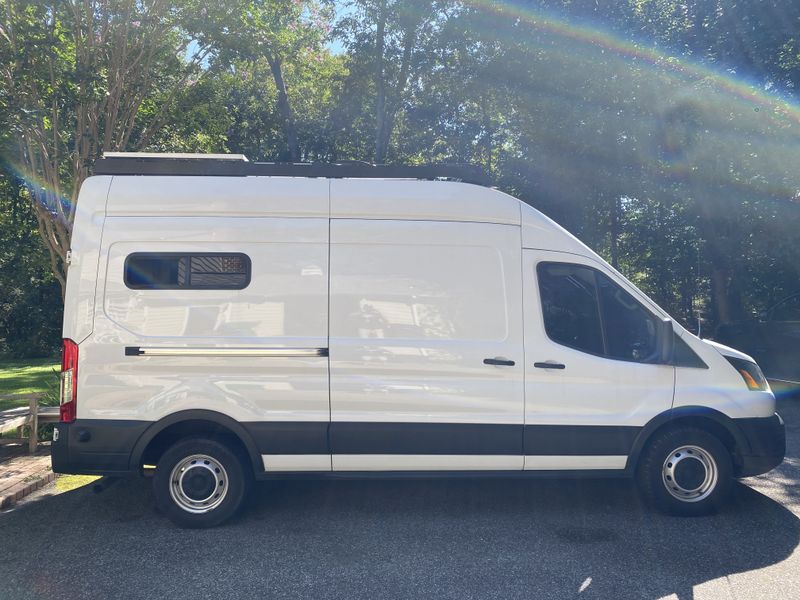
(163, 433)
(703, 417)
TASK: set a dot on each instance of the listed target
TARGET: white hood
(728, 351)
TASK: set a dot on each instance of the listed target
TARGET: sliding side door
(425, 346)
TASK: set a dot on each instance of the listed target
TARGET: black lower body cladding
(96, 446)
(106, 447)
(766, 438)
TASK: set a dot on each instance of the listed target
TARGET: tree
(393, 42)
(633, 133)
(280, 32)
(30, 306)
(81, 78)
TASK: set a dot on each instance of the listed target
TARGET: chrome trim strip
(265, 352)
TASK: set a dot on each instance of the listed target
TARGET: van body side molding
(194, 351)
(487, 439)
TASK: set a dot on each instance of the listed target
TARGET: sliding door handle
(499, 361)
(549, 365)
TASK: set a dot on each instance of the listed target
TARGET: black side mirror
(666, 338)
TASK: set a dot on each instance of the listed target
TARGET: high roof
(230, 186)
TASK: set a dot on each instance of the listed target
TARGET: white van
(228, 321)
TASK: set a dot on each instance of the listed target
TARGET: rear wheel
(686, 471)
(200, 482)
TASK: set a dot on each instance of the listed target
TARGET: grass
(22, 377)
(66, 483)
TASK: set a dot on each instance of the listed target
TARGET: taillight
(69, 381)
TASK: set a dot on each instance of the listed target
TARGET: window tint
(684, 356)
(154, 271)
(631, 330)
(569, 304)
(585, 310)
(145, 271)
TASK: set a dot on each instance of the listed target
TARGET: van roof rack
(237, 165)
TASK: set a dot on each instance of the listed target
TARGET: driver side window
(586, 310)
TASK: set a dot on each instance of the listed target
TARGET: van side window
(173, 270)
(586, 310)
(570, 307)
(631, 330)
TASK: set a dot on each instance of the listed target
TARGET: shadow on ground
(408, 539)
(390, 539)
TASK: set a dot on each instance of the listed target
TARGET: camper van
(229, 321)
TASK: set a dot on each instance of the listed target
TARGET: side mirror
(666, 338)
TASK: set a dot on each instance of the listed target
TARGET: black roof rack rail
(240, 167)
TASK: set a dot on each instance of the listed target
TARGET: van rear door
(425, 346)
(87, 231)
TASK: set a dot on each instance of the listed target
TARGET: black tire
(695, 465)
(200, 482)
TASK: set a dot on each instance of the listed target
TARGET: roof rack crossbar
(175, 166)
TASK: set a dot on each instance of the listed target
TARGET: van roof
(202, 186)
(237, 165)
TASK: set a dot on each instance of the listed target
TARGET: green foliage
(266, 40)
(30, 302)
(253, 117)
(198, 121)
(629, 122)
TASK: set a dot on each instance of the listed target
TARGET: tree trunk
(719, 295)
(53, 235)
(381, 140)
(285, 108)
(614, 230)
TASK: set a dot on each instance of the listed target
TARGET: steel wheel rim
(675, 483)
(197, 473)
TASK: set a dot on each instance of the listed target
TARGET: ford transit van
(229, 321)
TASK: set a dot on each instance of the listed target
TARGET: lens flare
(40, 192)
(607, 113)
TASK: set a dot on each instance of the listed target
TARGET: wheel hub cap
(198, 483)
(689, 473)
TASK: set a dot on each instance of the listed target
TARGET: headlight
(753, 377)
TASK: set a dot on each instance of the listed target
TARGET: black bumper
(101, 447)
(766, 445)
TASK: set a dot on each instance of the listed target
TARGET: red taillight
(69, 381)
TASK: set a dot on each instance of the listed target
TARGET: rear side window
(174, 270)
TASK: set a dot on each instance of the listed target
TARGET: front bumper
(95, 447)
(766, 441)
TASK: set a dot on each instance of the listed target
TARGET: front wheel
(686, 471)
(200, 483)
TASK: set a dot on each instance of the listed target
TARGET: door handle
(549, 365)
(499, 361)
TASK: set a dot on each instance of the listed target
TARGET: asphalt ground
(524, 538)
